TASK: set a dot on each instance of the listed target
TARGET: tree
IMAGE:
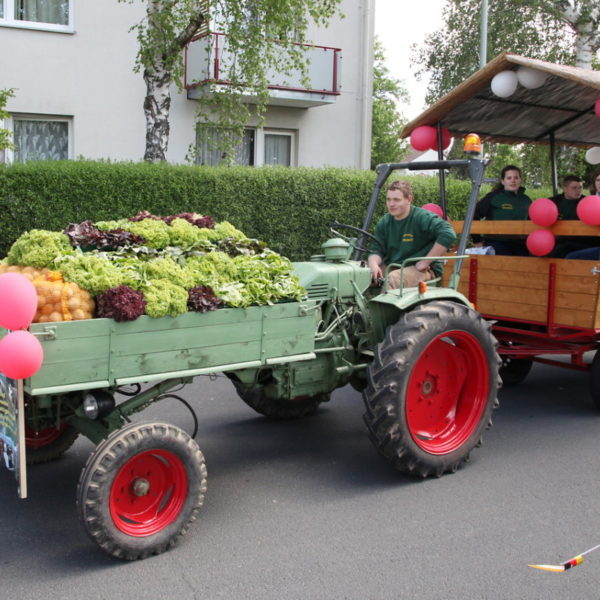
(5, 135)
(262, 36)
(450, 55)
(387, 123)
(561, 31)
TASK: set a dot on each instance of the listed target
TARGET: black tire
(140, 489)
(595, 380)
(277, 408)
(432, 387)
(48, 444)
(515, 370)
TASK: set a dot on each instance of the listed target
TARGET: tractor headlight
(97, 404)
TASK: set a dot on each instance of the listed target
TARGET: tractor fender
(386, 308)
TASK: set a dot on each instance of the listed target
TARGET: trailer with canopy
(542, 307)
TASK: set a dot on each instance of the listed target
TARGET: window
(258, 147)
(50, 15)
(37, 138)
(210, 154)
(278, 149)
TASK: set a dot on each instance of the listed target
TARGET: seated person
(567, 210)
(506, 202)
(408, 231)
(569, 199)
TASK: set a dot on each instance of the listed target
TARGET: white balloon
(531, 78)
(592, 156)
(504, 83)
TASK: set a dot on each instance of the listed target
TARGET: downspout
(367, 34)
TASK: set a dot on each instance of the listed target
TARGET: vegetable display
(148, 264)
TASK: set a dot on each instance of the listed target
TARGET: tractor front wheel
(140, 489)
(432, 388)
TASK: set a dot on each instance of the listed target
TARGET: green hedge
(290, 209)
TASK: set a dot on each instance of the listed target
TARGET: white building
(71, 63)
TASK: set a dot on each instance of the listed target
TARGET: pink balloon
(540, 242)
(597, 107)
(588, 210)
(446, 139)
(543, 212)
(434, 208)
(21, 355)
(18, 301)
(423, 138)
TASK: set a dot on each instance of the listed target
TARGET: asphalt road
(308, 510)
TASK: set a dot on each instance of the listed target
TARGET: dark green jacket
(413, 236)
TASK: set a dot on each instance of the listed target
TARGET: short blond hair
(402, 186)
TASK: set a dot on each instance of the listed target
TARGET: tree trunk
(584, 45)
(157, 104)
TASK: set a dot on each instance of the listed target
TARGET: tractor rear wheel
(278, 408)
(140, 489)
(432, 387)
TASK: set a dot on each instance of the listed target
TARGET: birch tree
(262, 36)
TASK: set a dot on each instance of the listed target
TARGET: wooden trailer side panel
(99, 353)
(544, 290)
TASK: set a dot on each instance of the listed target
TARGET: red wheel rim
(447, 392)
(39, 438)
(148, 492)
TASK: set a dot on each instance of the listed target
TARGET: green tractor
(423, 359)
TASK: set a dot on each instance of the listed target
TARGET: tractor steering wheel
(333, 228)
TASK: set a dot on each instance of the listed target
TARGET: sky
(398, 24)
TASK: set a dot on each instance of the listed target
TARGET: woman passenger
(506, 202)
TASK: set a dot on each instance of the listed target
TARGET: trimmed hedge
(290, 209)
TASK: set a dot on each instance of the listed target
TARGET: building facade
(76, 95)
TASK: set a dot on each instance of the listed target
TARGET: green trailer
(424, 360)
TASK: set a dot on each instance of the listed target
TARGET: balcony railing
(207, 56)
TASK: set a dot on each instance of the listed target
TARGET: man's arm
(436, 250)
(375, 261)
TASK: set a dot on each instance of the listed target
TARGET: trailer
(543, 309)
(425, 361)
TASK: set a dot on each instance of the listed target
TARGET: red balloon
(434, 208)
(21, 355)
(540, 242)
(446, 139)
(423, 138)
(588, 210)
(597, 107)
(18, 301)
(543, 212)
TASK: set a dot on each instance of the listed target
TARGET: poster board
(12, 431)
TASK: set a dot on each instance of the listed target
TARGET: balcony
(207, 54)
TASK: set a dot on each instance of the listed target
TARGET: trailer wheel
(432, 388)
(595, 380)
(140, 489)
(277, 408)
(49, 443)
(515, 370)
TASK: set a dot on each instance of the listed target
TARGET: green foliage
(450, 55)
(5, 135)
(290, 209)
(387, 123)
(262, 37)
